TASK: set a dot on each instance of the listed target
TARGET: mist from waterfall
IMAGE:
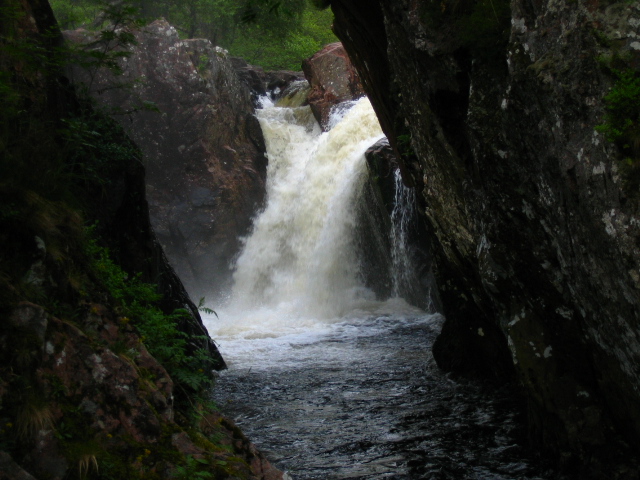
(298, 266)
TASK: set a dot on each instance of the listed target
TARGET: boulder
(203, 150)
(333, 80)
(262, 83)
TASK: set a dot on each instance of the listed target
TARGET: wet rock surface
(203, 150)
(534, 234)
(535, 243)
(262, 83)
(392, 236)
(333, 79)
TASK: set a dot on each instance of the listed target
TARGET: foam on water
(265, 338)
(297, 273)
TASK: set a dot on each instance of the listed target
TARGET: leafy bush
(622, 118)
(284, 49)
(622, 125)
(275, 34)
(159, 332)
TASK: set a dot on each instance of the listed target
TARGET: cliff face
(533, 217)
(81, 396)
(203, 150)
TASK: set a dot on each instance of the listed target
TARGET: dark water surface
(364, 399)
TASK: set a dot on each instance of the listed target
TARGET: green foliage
(275, 34)
(193, 469)
(622, 120)
(190, 370)
(95, 150)
(46, 153)
(204, 309)
(277, 46)
(622, 125)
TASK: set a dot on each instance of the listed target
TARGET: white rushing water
(401, 216)
(298, 273)
(328, 382)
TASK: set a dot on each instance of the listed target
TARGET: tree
(275, 34)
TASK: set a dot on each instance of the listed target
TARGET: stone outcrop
(333, 80)
(534, 230)
(204, 152)
(80, 395)
(392, 235)
(93, 400)
(263, 83)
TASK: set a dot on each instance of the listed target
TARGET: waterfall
(402, 270)
(299, 263)
(330, 381)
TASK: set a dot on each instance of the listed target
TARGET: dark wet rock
(80, 395)
(534, 236)
(374, 222)
(393, 234)
(234, 438)
(203, 151)
(10, 470)
(262, 83)
(333, 80)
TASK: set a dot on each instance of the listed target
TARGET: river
(326, 380)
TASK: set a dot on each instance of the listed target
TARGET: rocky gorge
(104, 357)
(526, 226)
(494, 109)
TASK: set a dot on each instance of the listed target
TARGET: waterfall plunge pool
(327, 381)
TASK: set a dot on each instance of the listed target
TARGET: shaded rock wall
(535, 239)
(393, 235)
(80, 396)
(203, 151)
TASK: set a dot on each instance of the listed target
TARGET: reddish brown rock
(88, 391)
(333, 80)
(204, 151)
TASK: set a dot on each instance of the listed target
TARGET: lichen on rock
(534, 233)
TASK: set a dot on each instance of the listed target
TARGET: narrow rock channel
(363, 399)
(328, 381)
